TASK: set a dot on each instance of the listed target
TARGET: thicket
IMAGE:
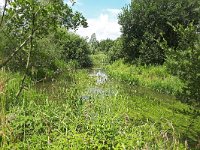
(147, 23)
(184, 61)
(76, 49)
(105, 45)
(115, 51)
(35, 38)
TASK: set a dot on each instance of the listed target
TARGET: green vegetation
(184, 62)
(99, 59)
(146, 24)
(55, 92)
(76, 49)
(36, 34)
(115, 52)
(105, 45)
(156, 78)
(164, 33)
(43, 120)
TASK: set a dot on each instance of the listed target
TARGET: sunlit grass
(118, 121)
(156, 78)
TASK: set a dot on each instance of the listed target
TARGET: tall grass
(156, 78)
(62, 120)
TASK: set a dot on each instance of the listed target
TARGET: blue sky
(101, 16)
(92, 8)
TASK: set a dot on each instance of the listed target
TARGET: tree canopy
(146, 23)
(27, 26)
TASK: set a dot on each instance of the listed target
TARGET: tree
(184, 61)
(105, 45)
(76, 49)
(93, 42)
(31, 20)
(145, 23)
(115, 52)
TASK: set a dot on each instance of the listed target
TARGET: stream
(106, 86)
(103, 86)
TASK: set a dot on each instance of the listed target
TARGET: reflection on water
(99, 89)
(105, 87)
(101, 77)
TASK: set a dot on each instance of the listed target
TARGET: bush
(184, 61)
(105, 45)
(50, 55)
(115, 52)
(76, 48)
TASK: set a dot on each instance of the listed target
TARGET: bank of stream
(137, 115)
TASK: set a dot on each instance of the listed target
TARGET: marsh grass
(57, 118)
(156, 78)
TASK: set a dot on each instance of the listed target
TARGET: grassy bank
(62, 120)
(156, 78)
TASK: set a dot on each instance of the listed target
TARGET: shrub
(115, 52)
(76, 48)
(184, 61)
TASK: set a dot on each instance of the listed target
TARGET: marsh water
(98, 84)
(106, 86)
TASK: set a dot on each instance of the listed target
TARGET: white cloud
(105, 26)
(2, 2)
(113, 11)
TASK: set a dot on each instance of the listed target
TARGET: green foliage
(99, 59)
(77, 49)
(184, 61)
(146, 23)
(115, 51)
(42, 16)
(57, 120)
(46, 59)
(105, 45)
(42, 20)
(156, 78)
(137, 115)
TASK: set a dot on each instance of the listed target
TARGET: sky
(101, 16)
(1, 2)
